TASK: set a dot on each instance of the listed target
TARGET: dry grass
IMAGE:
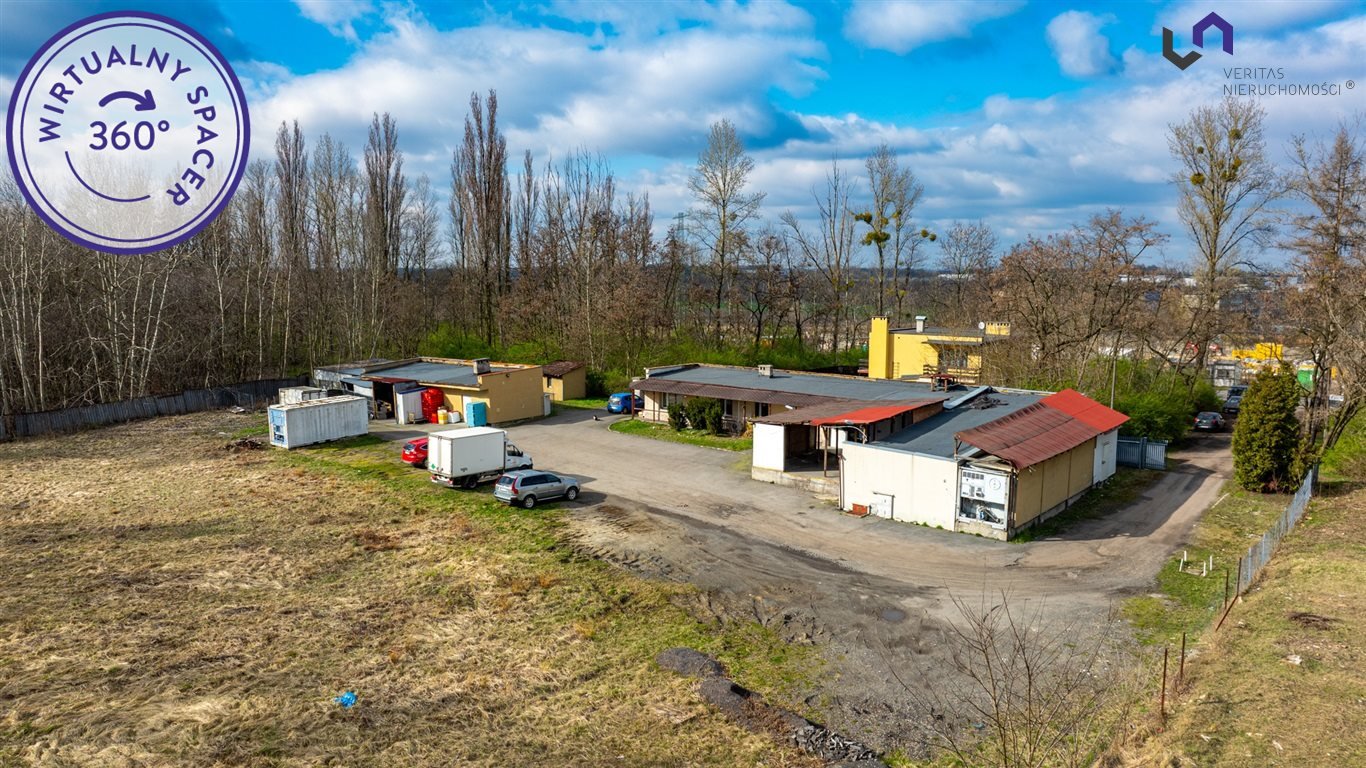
(1284, 681)
(168, 602)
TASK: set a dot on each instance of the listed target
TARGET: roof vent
(920, 323)
(481, 366)
(766, 370)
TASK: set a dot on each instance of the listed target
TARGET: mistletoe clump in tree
(1266, 439)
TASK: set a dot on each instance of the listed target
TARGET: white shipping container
(318, 421)
(289, 395)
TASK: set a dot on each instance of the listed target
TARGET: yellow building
(925, 352)
(565, 381)
(509, 391)
(1263, 351)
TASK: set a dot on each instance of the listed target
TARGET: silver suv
(528, 486)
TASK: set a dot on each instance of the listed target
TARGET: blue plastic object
(346, 700)
(476, 414)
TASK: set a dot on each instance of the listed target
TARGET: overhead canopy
(870, 414)
(1050, 427)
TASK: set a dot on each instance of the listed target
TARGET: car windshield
(410, 446)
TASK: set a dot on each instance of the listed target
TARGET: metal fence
(1141, 452)
(249, 394)
(1258, 554)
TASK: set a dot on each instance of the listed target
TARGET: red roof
(1054, 425)
(870, 414)
(1079, 406)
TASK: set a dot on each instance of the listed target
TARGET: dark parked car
(415, 452)
(1209, 421)
(1232, 404)
(625, 402)
(528, 486)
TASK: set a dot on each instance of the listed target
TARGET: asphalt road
(874, 593)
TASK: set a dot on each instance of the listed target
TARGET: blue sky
(1029, 117)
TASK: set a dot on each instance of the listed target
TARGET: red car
(415, 452)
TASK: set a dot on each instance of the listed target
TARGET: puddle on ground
(893, 615)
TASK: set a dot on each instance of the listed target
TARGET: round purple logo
(128, 132)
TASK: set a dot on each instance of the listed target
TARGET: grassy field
(1186, 601)
(168, 602)
(1276, 686)
(689, 436)
(1284, 681)
(587, 403)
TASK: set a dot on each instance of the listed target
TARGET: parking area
(872, 591)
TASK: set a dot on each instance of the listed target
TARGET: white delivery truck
(316, 421)
(466, 457)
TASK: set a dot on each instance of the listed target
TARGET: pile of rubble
(749, 710)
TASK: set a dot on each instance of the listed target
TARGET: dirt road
(874, 592)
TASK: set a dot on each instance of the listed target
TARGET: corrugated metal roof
(558, 369)
(1052, 426)
(451, 374)
(1080, 406)
(720, 392)
(823, 386)
(870, 414)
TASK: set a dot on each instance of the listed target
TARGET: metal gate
(1141, 452)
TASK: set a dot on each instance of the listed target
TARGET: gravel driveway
(872, 592)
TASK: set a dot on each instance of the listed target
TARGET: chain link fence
(1257, 556)
(249, 394)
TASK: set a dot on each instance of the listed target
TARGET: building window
(760, 410)
(728, 407)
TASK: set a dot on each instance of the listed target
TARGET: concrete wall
(922, 489)
(770, 446)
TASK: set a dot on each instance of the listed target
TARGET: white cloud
(1024, 166)
(903, 26)
(648, 18)
(1079, 46)
(1262, 16)
(558, 91)
(337, 15)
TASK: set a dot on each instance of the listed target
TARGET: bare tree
(895, 193)
(724, 208)
(967, 254)
(831, 249)
(1226, 185)
(1069, 294)
(481, 221)
(291, 217)
(1025, 694)
(385, 189)
(1329, 302)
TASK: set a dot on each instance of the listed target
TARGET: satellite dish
(981, 326)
